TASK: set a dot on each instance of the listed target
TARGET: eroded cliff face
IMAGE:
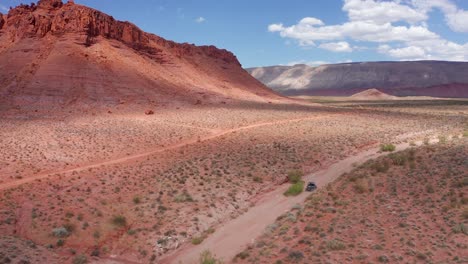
(53, 53)
(2, 21)
(54, 17)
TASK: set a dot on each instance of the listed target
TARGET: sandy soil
(235, 235)
(179, 174)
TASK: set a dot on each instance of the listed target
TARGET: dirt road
(234, 236)
(196, 140)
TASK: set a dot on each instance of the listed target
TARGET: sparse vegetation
(80, 259)
(198, 240)
(295, 189)
(119, 221)
(387, 147)
(295, 176)
(418, 181)
(197, 185)
(208, 258)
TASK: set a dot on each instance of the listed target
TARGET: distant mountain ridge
(412, 78)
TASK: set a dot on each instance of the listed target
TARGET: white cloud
(341, 46)
(458, 21)
(374, 21)
(310, 63)
(200, 20)
(381, 12)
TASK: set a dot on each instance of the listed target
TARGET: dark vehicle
(311, 186)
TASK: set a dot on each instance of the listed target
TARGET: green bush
(198, 240)
(387, 147)
(296, 256)
(60, 232)
(81, 259)
(295, 189)
(295, 176)
(207, 258)
(442, 139)
(460, 228)
(335, 245)
(399, 159)
(119, 221)
(183, 197)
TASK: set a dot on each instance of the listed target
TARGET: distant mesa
(412, 78)
(54, 54)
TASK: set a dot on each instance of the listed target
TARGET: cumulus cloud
(381, 12)
(200, 19)
(399, 26)
(341, 46)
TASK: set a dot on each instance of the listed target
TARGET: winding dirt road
(192, 141)
(234, 236)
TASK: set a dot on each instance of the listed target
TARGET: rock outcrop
(54, 17)
(395, 78)
(2, 21)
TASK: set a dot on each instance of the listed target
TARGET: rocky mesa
(53, 53)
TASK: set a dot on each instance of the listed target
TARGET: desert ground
(406, 207)
(125, 187)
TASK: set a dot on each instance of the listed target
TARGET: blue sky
(265, 32)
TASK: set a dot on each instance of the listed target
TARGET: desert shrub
(60, 242)
(398, 158)
(383, 259)
(208, 258)
(81, 259)
(465, 133)
(381, 166)
(295, 176)
(119, 221)
(429, 188)
(335, 244)
(243, 255)
(387, 147)
(257, 179)
(442, 139)
(460, 228)
(198, 240)
(296, 255)
(136, 200)
(361, 186)
(183, 197)
(60, 232)
(295, 189)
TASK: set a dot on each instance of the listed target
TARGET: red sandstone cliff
(58, 53)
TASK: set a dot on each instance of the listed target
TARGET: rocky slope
(53, 53)
(420, 78)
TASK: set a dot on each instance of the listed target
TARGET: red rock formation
(55, 53)
(2, 20)
(28, 20)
